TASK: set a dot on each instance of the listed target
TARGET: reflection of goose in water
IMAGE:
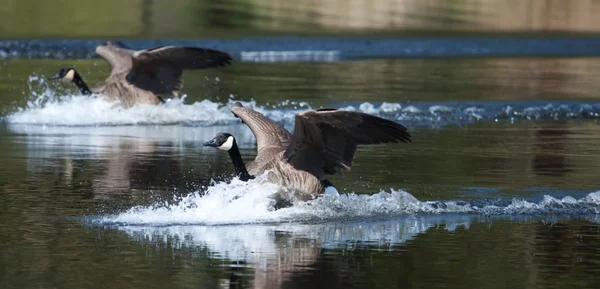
(324, 142)
(279, 254)
(120, 159)
(550, 150)
(143, 76)
(125, 166)
(137, 166)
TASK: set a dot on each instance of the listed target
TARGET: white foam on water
(252, 202)
(264, 246)
(46, 107)
(241, 202)
(291, 56)
(466, 112)
(81, 110)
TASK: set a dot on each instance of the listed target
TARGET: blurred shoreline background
(153, 19)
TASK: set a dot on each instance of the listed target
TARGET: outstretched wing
(325, 141)
(119, 58)
(160, 69)
(268, 133)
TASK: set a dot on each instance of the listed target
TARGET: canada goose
(143, 76)
(324, 142)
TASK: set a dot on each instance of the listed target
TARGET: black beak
(211, 143)
(54, 77)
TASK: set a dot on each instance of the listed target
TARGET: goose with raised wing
(144, 76)
(324, 143)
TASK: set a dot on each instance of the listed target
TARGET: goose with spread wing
(143, 76)
(324, 143)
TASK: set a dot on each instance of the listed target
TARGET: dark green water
(63, 185)
(499, 188)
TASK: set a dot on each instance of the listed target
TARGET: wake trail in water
(79, 110)
(241, 202)
(92, 111)
(464, 112)
(46, 107)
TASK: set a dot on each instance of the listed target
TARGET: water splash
(46, 107)
(79, 110)
(251, 202)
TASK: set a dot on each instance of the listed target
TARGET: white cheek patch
(227, 145)
(69, 76)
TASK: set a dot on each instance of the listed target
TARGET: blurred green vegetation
(60, 18)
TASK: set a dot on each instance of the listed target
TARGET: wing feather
(160, 69)
(118, 58)
(268, 133)
(325, 141)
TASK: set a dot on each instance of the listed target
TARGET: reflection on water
(224, 18)
(523, 160)
(504, 136)
(550, 150)
(282, 253)
(413, 252)
(125, 160)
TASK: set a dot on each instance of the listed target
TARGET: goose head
(223, 141)
(65, 74)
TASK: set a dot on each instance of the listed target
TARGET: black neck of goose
(81, 84)
(238, 163)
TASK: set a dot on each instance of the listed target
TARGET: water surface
(498, 189)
